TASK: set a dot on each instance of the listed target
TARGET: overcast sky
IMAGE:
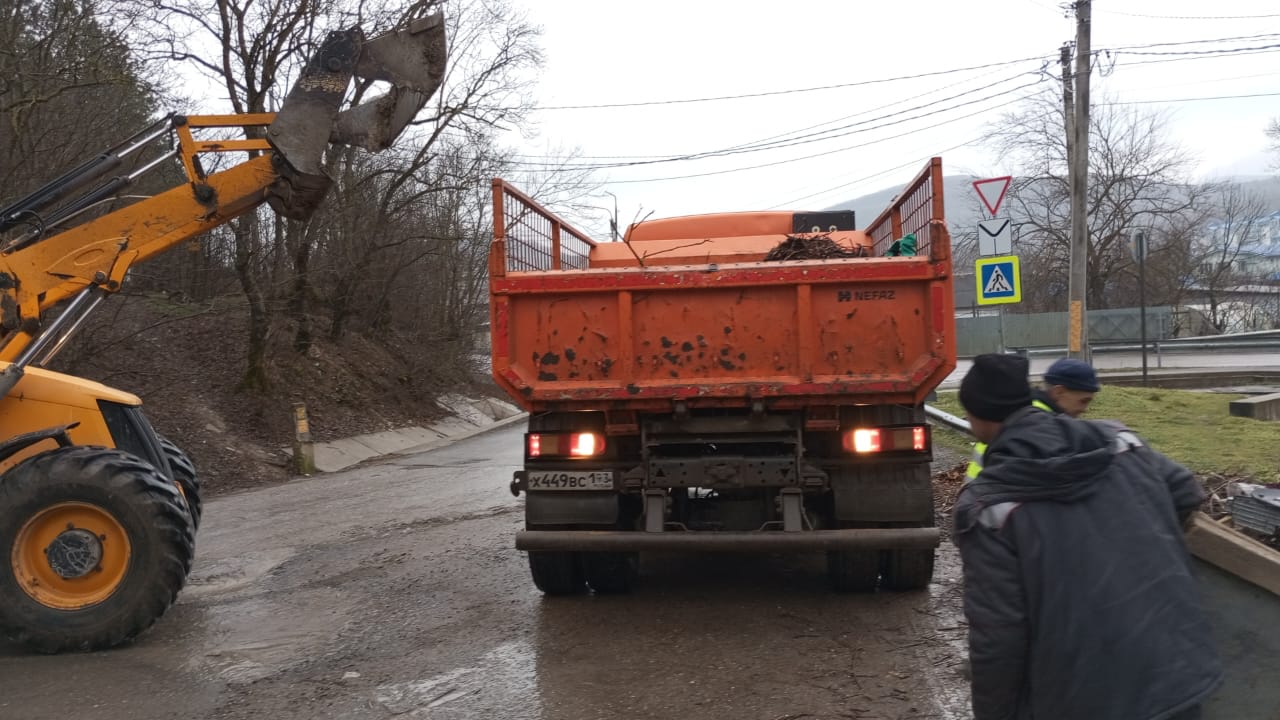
(661, 50)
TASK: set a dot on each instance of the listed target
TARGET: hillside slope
(185, 360)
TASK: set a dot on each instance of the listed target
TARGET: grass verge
(1193, 428)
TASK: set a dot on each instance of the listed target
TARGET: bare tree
(58, 57)
(256, 49)
(1137, 179)
(1237, 216)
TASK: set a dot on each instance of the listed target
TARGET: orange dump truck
(686, 393)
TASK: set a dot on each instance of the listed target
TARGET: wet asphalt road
(393, 591)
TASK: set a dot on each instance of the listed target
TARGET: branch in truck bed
(812, 248)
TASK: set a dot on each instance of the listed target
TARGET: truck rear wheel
(853, 570)
(557, 573)
(94, 546)
(184, 473)
(908, 569)
(610, 573)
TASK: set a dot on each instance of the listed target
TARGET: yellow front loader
(98, 513)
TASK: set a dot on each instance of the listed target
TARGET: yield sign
(992, 188)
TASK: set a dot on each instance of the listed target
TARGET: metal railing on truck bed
(917, 210)
(530, 237)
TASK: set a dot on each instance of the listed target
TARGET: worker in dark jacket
(1077, 582)
(1069, 385)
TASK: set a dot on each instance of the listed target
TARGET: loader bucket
(412, 60)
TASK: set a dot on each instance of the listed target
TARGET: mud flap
(572, 508)
(886, 493)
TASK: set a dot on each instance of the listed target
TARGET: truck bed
(710, 323)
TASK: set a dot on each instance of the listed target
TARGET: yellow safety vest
(975, 461)
(980, 449)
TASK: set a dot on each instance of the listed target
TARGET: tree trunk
(255, 374)
(298, 300)
(340, 309)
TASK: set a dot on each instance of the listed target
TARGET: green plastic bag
(903, 247)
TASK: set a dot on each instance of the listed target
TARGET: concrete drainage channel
(466, 417)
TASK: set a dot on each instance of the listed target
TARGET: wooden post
(304, 451)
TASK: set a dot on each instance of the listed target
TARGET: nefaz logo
(861, 295)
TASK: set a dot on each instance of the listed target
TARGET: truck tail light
(866, 441)
(562, 445)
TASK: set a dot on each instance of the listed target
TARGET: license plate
(570, 480)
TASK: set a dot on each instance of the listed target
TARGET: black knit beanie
(995, 387)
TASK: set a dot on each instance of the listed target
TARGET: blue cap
(1073, 375)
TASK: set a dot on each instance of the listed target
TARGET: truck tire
(908, 569)
(610, 573)
(853, 570)
(557, 573)
(184, 473)
(95, 545)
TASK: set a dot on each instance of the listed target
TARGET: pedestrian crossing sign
(998, 280)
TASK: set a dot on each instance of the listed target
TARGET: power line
(1193, 99)
(789, 143)
(930, 127)
(821, 154)
(1187, 17)
(1233, 38)
(860, 83)
(833, 188)
(868, 111)
(1194, 57)
(1223, 51)
(567, 167)
(790, 134)
(559, 161)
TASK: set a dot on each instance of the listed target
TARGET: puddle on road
(501, 680)
(234, 573)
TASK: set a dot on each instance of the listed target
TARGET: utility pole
(1078, 157)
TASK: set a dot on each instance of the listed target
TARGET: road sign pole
(1003, 347)
(1140, 245)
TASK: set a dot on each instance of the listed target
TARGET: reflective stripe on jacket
(979, 449)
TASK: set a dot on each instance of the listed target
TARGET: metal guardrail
(943, 417)
(1259, 340)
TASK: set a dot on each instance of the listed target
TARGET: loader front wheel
(184, 473)
(557, 573)
(94, 546)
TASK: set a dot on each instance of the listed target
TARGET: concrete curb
(496, 425)
(469, 417)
